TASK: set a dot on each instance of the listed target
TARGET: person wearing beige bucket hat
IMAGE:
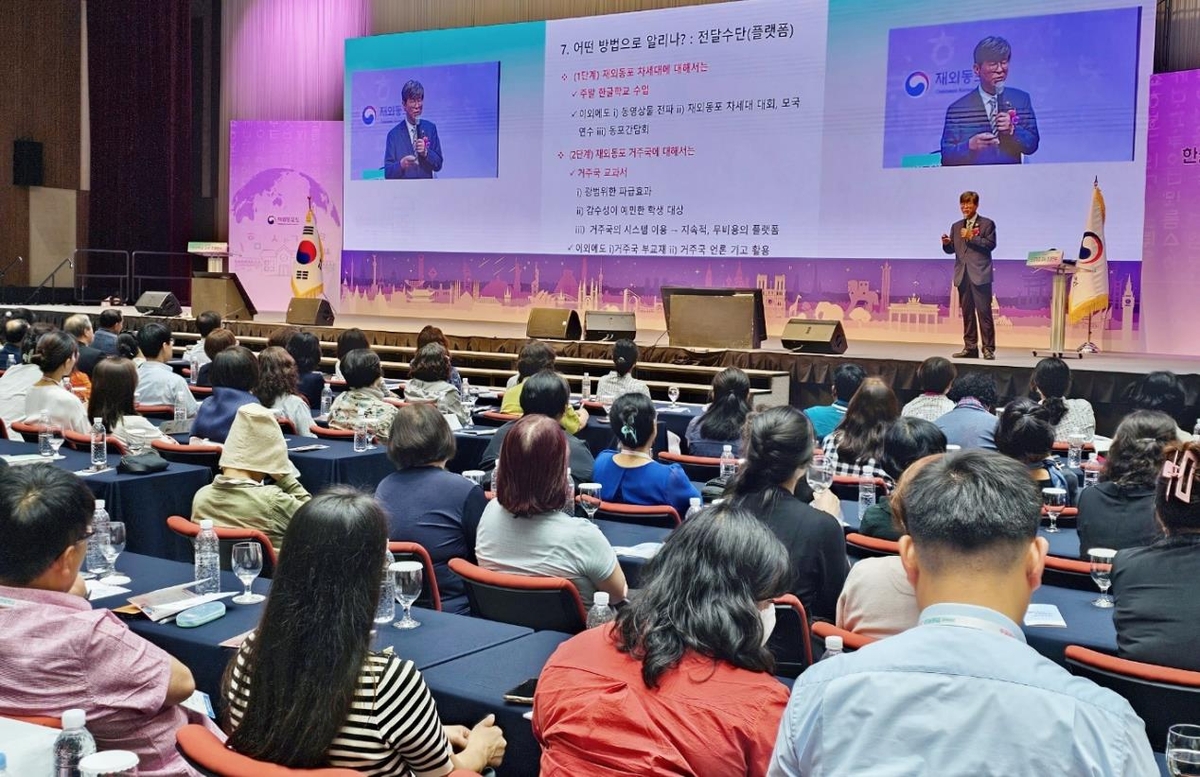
(239, 497)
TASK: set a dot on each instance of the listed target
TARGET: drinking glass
(1183, 750)
(606, 402)
(476, 476)
(1055, 499)
(247, 563)
(1075, 450)
(673, 395)
(820, 474)
(589, 498)
(362, 436)
(408, 576)
(111, 550)
(1101, 560)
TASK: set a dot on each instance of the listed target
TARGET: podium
(1052, 261)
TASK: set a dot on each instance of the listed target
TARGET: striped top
(393, 726)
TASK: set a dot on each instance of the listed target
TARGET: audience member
(545, 394)
(429, 381)
(857, 442)
(631, 475)
(278, 389)
(877, 600)
(14, 333)
(350, 340)
(425, 503)
(620, 380)
(60, 652)
(961, 693)
(971, 423)
(234, 375)
(1025, 433)
(364, 397)
(1163, 391)
(55, 356)
(1051, 382)
(721, 422)
(206, 323)
(127, 348)
(305, 349)
(217, 340)
(934, 376)
(79, 326)
(846, 380)
(111, 322)
(1157, 613)
(771, 486)
(536, 357)
(682, 683)
(432, 334)
(306, 690)
(1118, 512)
(280, 336)
(239, 497)
(524, 530)
(906, 441)
(16, 381)
(114, 384)
(157, 382)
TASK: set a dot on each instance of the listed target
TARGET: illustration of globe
(282, 191)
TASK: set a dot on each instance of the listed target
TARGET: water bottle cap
(694, 501)
(74, 719)
(99, 504)
(206, 524)
(600, 599)
(108, 762)
(726, 449)
(97, 420)
(833, 643)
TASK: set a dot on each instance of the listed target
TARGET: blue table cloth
(627, 535)
(339, 464)
(1087, 626)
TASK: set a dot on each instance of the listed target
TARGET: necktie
(412, 133)
(991, 109)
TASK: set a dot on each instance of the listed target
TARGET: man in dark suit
(991, 125)
(79, 326)
(413, 149)
(972, 240)
(111, 324)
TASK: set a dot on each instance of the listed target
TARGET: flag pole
(1089, 346)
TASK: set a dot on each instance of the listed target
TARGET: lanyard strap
(967, 622)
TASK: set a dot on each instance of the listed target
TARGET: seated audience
(127, 348)
(1051, 382)
(1118, 512)
(306, 691)
(771, 486)
(218, 340)
(55, 356)
(971, 423)
(280, 336)
(934, 376)
(877, 600)
(721, 422)
(305, 349)
(524, 530)
(846, 380)
(79, 326)
(428, 505)
(240, 497)
(157, 382)
(60, 652)
(857, 442)
(1026, 434)
(234, 376)
(620, 380)
(352, 339)
(631, 475)
(16, 381)
(278, 389)
(545, 394)
(429, 381)
(1157, 614)
(14, 334)
(1163, 391)
(206, 323)
(536, 357)
(906, 441)
(962, 692)
(682, 683)
(114, 383)
(432, 334)
(364, 397)
(111, 323)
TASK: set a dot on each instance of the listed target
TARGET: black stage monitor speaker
(814, 336)
(310, 312)
(27, 163)
(158, 303)
(609, 326)
(553, 324)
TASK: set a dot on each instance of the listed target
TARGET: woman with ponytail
(721, 423)
(1050, 383)
(630, 475)
(778, 447)
(56, 354)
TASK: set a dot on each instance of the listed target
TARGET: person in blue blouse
(1025, 433)
(631, 475)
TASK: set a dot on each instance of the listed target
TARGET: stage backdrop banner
(274, 168)
(1170, 283)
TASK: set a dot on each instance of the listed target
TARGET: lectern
(1052, 261)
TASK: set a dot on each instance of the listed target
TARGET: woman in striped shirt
(353, 708)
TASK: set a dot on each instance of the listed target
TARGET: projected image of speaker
(609, 326)
(553, 324)
(309, 312)
(158, 303)
(814, 336)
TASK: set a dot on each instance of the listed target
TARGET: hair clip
(627, 431)
(1181, 471)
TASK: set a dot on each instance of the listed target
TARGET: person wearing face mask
(682, 683)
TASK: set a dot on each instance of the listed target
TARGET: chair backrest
(698, 468)
(494, 418)
(862, 546)
(846, 487)
(850, 640)
(1160, 695)
(77, 441)
(164, 412)
(209, 756)
(539, 603)
(664, 516)
(228, 537)
(200, 454)
(37, 720)
(1068, 573)
(29, 432)
(332, 434)
(286, 425)
(790, 642)
(199, 392)
(3, 430)
(431, 598)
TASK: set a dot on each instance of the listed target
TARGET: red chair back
(431, 598)
(77, 441)
(200, 454)
(539, 603)
(790, 642)
(209, 756)
(29, 432)
(163, 412)
(846, 487)
(698, 468)
(228, 537)
(286, 425)
(664, 516)
(3, 430)
(37, 720)
(850, 640)
(199, 392)
(1068, 573)
(862, 546)
(494, 418)
(329, 433)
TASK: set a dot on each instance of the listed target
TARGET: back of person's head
(351, 340)
(1177, 495)
(908, 440)
(730, 405)
(432, 334)
(1134, 460)
(625, 356)
(322, 603)
(1159, 390)
(235, 368)
(968, 511)
(860, 434)
(25, 314)
(1024, 431)
(980, 386)
(431, 364)
(127, 346)
(935, 375)
(206, 322)
(305, 348)
(545, 393)
(281, 336)
(420, 436)
(277, 375)
(14, 331)
(114, 381)
(532, 469)
(78, 325)
(1052, 379)
(778, 441)
(633, 419)
(151, 339)
(53, 350)
(535, 356)
(32, 336)
(361, 368)
(110, 318)
(218, 340)
(846, 380)
(43, 512)
(700, 594)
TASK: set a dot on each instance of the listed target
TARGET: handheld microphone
(419, 133)
(1000, 97)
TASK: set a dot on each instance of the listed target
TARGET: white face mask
(767, 617)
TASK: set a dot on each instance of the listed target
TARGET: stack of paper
(166, 603)
(644, 550)
(1044, 615)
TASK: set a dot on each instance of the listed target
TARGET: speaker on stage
(609, 326)
(221, 292)
(158, 303)
(309, 311)
(814, 336)
(553, 324)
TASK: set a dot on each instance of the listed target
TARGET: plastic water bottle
(180, 409)
(12, 362)
(1091, 470)
(866, 491)
(585, 391)
(99, 445)
(728, 462)
(73, 744)
(3, 765)
(208, 560)
(44, 446)
(360, 435)
(833, 647)
(385, 611)
(95, 560)
(600, 613)
(695, 505)
(326, 399)
(193, 369)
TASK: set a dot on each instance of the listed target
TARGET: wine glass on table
(476, 476)
(409, 576)
(1183, 750)
(819, 474)
(673, 395)
(247, 564)
(1101, 560)
(111, 550)
(1055, 501)
(589, 498)
(56, 438)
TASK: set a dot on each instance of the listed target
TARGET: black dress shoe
(989, 355)
(965, 353)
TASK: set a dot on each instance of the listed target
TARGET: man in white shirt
(157, 382)
(18, 379)
(206, 323)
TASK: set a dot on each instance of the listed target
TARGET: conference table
(627, 535)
